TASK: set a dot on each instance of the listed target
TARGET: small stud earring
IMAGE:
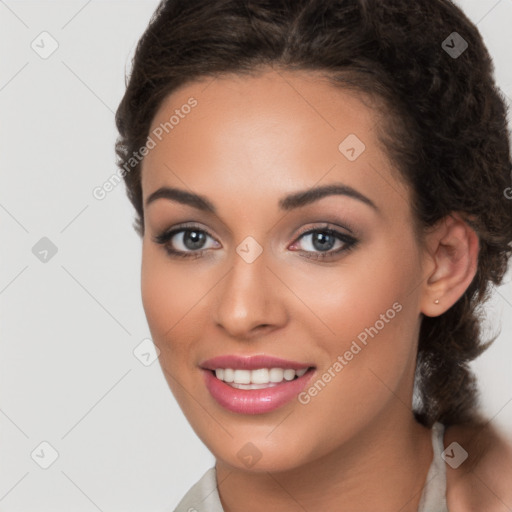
(436, 301)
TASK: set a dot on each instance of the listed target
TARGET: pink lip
(253, 401)
(251, 363)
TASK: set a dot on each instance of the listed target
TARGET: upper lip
(236, 362)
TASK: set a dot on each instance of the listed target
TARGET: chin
(254, 449)
(252, 459)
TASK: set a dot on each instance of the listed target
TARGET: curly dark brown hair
(443, 125)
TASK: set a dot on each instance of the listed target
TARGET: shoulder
(482, 481)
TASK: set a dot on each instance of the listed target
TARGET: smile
(254, 384)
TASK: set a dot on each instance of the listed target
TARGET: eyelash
(349, 241)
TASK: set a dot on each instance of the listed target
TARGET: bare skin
(249, 142)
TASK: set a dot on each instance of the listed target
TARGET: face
(269, 277)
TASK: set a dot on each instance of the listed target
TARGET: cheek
(341, 301)
(171, 298)
(168, 295)
(366, 312)
(170, 292)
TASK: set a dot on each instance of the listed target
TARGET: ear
(450, 260)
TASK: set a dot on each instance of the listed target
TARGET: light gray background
(68, 374)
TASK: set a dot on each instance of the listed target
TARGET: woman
(319, 191)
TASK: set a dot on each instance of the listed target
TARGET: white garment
(204, 497)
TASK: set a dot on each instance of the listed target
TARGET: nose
(250, 300)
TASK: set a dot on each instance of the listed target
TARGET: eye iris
(322, 238)
(195, 237)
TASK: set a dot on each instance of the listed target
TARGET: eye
(192, 241)
(324, 239)
(186, 241)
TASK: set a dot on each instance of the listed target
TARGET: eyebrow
(290, 202)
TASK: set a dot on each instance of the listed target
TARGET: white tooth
(251, 386)
(260, 376)
(262, 386)
(242, 376)
(289, 374)
(276, 374)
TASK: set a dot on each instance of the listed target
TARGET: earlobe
(453, 248)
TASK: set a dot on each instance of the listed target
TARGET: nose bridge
(248, 299)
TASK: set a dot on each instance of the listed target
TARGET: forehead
(275, 131)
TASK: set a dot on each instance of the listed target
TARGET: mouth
(254, 385)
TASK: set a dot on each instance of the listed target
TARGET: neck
(357, 475)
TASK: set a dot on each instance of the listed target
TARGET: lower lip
(254, 401)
